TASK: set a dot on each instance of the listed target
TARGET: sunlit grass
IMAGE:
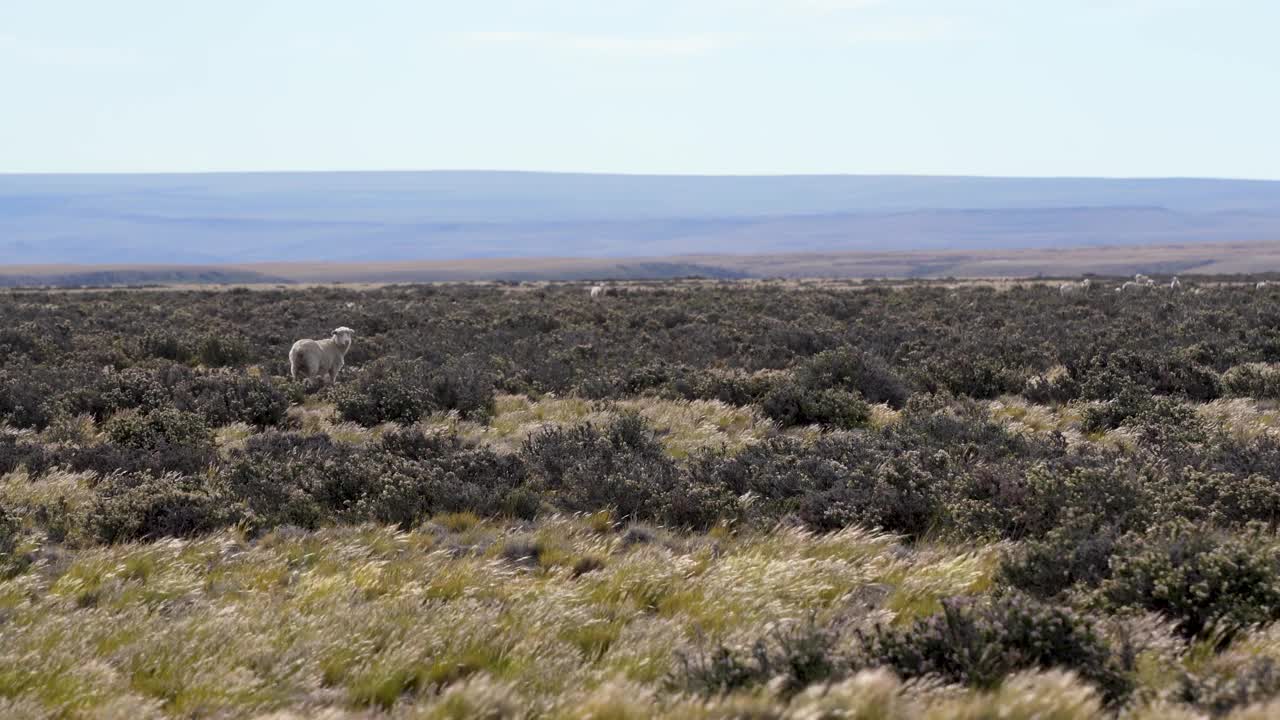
(443, 621)
(683, 426)
(372, 618)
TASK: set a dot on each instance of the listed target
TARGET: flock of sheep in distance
(1139, 282)
(323, 359)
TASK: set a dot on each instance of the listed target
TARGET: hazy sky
(993, 87)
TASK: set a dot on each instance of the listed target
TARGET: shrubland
(694, 501)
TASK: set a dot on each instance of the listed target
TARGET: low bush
(790, 658)
(854, 371)
(9, 529)
(158, 429)
(386, 391)
(1252, 380)
(225, 398)
(166, 345)
(789, 403)
(219, 350)
(1221, 693)
(979, 643)
(1198, 577)
(1078, 554)
(1056, 386)
(130, 506)
(403, 391)
(16, 452)
(24, 400)
(620, 466)
(1129, 402)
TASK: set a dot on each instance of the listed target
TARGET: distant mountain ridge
(445, 215)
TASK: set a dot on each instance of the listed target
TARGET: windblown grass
(366, 618)
(684, 426)
(467, 618)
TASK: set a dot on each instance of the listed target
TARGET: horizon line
(482, 171)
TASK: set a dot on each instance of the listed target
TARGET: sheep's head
(343, 335)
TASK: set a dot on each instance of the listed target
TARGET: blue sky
(988, 87)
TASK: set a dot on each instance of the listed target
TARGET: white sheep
(1261, 284)
(1174, 284)
(320, 358)
(1131, 285)
(596, 291)
(1073, 288)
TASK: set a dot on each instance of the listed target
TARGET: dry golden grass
(452, 620)
(436, 620)
(683, 426)
(367, 622)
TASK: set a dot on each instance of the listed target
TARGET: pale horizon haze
(1118, 88)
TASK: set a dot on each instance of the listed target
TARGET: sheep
(1141, 279)
(1261, 284)
(1073, 288)
(1131, 285)
(596, 291)
(320, 358)
(1174, 284)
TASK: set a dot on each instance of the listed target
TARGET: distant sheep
(596, 291)
(1131, 285)
(320, 358)
(1174, 284)
(1072, 288)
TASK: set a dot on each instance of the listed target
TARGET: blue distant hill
(369, 216)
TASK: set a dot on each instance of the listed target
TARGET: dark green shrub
(166, 345)
(899, 495)
(1221, 693)
(1107, 375)
(35, 342)
(731, 387)
(1198, 577)
(219, 350)
(24, 401)
(10, 564)
(854, 371)
(464, 384)
(387, 390)
(1056, 386)
(1217, 497)
(621, 466)
(1128, 403)
(129, 389)
(268, 483)
(973, 376)
(979, 643)
(1069, 556)
(224, 398)
(790, 658)
(405, 390)
(789, 403)
(15, 453)
(1252, 380)
(134, 507)
(158, 429)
